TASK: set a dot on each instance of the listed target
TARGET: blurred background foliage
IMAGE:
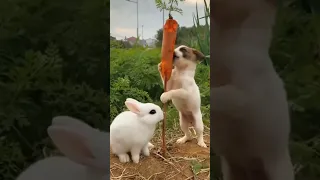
(53, 61)
(295, 53)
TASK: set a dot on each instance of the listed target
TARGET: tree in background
(169, 5)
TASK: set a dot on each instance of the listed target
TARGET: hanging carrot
(168, 42)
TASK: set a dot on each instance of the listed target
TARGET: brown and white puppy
(184, 92)
(249, 111)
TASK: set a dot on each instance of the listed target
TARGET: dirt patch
(183, 161)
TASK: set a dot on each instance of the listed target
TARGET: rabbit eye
(152, 111)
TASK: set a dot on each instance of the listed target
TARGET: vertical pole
(162, 18)
(142, 33)
(162, 22)
(164, 109)
(137, 19)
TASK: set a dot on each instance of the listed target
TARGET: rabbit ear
(74, 145)
(133, 100)
(71, 122)
(133, 106)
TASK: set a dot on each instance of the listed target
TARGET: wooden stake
(164, 109)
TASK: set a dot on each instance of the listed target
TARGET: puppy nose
(174, 55)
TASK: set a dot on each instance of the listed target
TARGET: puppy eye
(152, 111)
(183, 49)
(174, 56)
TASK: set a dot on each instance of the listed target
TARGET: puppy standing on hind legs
(184, 92)
(251, 123)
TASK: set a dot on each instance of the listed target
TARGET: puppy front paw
(159, 67)
(165, 97)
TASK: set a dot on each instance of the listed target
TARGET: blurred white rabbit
(132, 130)
(86, 150)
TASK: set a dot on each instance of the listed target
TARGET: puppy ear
(198, 54)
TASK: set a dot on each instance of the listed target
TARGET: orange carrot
(168, 42)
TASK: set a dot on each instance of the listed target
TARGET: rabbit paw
(124, 158)
(145, 151)
(135, 158)
(150, 145)
(165, 97)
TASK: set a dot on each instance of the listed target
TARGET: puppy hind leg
(199, 128)
(185, 128)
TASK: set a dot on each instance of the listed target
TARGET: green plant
(171, 5)
(52, 62)
(116, 44)
(203, 37)
(295, 55)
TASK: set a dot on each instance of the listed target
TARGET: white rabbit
(132, 130)
(86, 150)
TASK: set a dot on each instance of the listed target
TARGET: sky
(123, 17)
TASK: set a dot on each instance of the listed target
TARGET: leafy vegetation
(53, 61)
(203, 37)
(295, 54)
(170, 5)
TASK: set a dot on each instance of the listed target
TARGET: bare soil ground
(183, 161)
